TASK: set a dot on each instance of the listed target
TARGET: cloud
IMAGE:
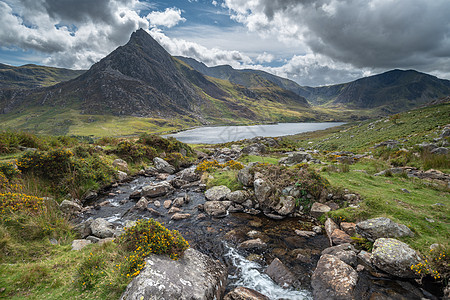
(363, 33)
(265, 57)
(168, 18)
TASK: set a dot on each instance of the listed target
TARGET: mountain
(139, 86)
(394, 91)
(389, 92)
(32, 76)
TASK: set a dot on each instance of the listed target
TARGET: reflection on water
(223, 134)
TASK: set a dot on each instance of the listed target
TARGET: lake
(223, 134)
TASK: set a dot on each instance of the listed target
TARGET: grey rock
(304, 233)
(80, 244)
(189, 175)
(394, 257)
(440, 150)
(194, 276)
(156, 190)
(333, 279)
(102, 228)
(121, 175)
(243, 293)
(70, 207)
(237, 196)
(339, 237)
(280, 274)
(262, 191)
(173, 210)
(255, 244)
(141, 204)
(245, 177)
(163, 166)
(167, 204)
(295, 158)
(216, 208)
(345, 252)
(217, 193)
(285, 205)
(84, 228)
(91, 195)
(121, 165)
(318, 209)
(93, 239)
(254, 149)
(349, 228)
(373, 229)
(157, 204)
(317, 229)
(178, 216)
(178, 202)
(330, 227)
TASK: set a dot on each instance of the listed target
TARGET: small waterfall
(250, 274)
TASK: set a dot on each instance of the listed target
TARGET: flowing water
(219, 237)
(223, 134)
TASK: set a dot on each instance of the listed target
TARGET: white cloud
(168, 18)
(265, 57)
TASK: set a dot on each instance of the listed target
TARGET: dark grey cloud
(377, 34)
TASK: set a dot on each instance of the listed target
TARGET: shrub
(210, 165)
(135, 152)
(12, 202)
(90, 271)
(9, 170)
(161, 144)
(51, 164)
(436, 264)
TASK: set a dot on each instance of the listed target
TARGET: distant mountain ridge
(393, 91)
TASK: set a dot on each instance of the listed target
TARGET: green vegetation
(36, 260)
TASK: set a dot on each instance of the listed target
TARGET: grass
(383, 196)
(222, 177)
(262, 159)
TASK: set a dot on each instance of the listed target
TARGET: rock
(121, 175)
(349, 228)
(330, 226)
(141, 204)
(70, 207)
(91, 195)
(156, 190)
(80, 244)
(255, 244)
(173, 210)
(216, 208)
(178, 216)
(317, 229)
(245, 177)
(121, 165)
(345, 252)
(427, 146)
(157, 204)
(280, 274)
(237, 196)
(306, 234)
(295, 158)
(243, 293)
(178, 202)
(167, 204)
(151, 171)
(153, 211)
(163, 166)
(254, 149)
(262, 191)
(102, 228)
(373, 229)
(440, 151)
(285, 205)
(394, 257)
(333, 279)
(189, 175)
(106, 240)
(318, 209)
(405, 191)
(193, 276)
(93, 239)
(217, 193)
(83, 229)
(339, 237)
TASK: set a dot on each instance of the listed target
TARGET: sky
(313, 42)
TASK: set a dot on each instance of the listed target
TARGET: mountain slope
(396, 90)
(32, 76)
(389, 92)
(141, 80)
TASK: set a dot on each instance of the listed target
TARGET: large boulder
(284, 206)
(339, 237)
(394, 257)
(243, 293)
(156, 190)
(345, 252)
(295, 158)
(194, 276)
(245, 177)
(318, 209)
(263, 190)
(121, 165)
(216, 208)
(163, 166)
(373, 229)
(238, 196)
(280, 273)
(333, 279)
(254, 149)
(102, 228)
(70, 207)
(217, 193)
(189, 175)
